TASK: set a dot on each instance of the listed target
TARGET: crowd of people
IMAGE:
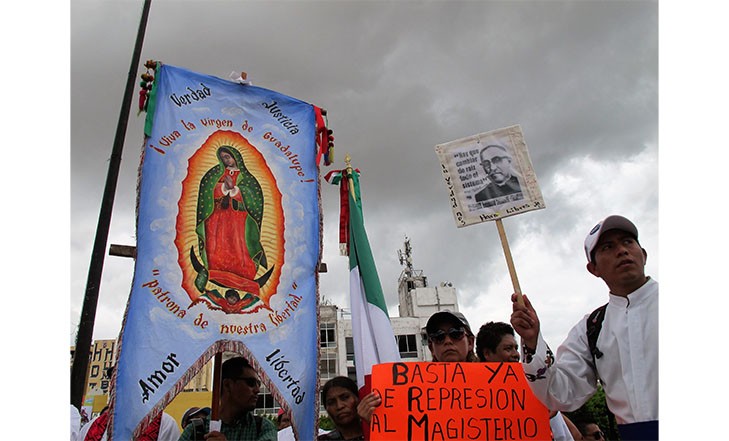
(614, 347)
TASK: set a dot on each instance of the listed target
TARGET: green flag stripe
(360, 253)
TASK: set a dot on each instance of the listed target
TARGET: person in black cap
(194, 412)
(450, 339)
(622, 353)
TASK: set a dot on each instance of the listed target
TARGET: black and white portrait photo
(489, 176)
(496, 162)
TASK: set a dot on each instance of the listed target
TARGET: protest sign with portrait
(489, 176)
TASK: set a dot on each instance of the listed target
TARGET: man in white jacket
(625, 360)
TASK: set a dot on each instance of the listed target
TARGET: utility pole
(88, 311)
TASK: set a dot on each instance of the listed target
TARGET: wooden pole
(88, 312)
(509, 261)
(350, 182)
(217, 373)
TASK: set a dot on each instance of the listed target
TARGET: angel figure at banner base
(228, 228)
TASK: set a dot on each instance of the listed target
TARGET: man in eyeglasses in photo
(496, 162)
(240, 387)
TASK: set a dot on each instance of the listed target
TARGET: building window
(349, 342)
(327, 366)
(265, 404)
(352, 372)
(327, 335)
(407, 346)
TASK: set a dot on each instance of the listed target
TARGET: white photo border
(464, 177)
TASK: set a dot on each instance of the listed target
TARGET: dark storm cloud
(397, 78)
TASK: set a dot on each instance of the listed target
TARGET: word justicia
(282, 118)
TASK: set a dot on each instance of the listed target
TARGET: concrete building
(101, 358)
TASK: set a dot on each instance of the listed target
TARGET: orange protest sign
(439, 401)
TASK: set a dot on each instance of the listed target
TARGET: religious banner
(228, 246)
(442, 401)
(489, 176)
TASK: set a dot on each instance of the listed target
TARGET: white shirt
(75, 423)
(287, 433)
(168, 429)
(560, 431)
(628, 369)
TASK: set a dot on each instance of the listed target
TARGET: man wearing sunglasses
(496, 162)
(624, 354)
(239, 394)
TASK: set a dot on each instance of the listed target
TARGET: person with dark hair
(496, 343)
(496, 162)
(449, 339)
(590, 430)
(193, 412)
(617, 344)
(341, 397)
(238, 397)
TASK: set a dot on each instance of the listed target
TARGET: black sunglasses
(597, 435)
(250, 381)
(456, 334)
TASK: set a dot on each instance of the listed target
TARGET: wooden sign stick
(509, 261)
(217, 385)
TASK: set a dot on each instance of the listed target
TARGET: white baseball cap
(613, 222)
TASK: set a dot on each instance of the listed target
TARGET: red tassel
(320, 136)
(142, 99)
(344, 214)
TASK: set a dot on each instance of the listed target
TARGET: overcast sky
(398, 78)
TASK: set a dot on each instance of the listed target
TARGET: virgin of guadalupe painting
(230, 210)
(228, 259)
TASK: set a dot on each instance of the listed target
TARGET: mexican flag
(374, 339)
